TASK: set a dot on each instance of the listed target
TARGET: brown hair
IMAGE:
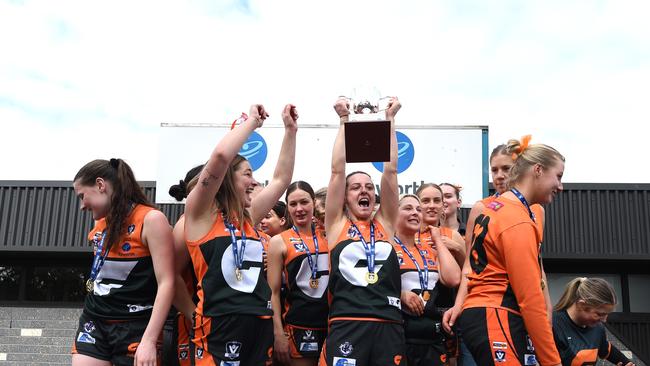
(593, 291)
(182, 189)
(227, 200)
(529, 155)
(499, 150)
(427, 185)
(126, 192)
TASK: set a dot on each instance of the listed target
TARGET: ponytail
(593, 291)
(126, 192)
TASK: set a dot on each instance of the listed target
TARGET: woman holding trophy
(364, 282)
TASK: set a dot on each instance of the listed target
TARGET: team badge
(126, 247)
(529, 344)
(183, 351)
(85, 338)
(340, 361)
(89, 327)
(229, 363)
(495, 206)
(300, 247)
(308, 336)
(499, 356)
(499, 345)
(352, 232)
(346, 348)
(232, 349)
(199, 353)
(308, 347)
(130, 229)
(530, 360)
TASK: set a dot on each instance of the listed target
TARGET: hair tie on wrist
(114, 162)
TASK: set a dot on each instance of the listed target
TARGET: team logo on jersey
(346, 348)
(308, 346)
(309, 335)
(499, 345)
(300, 247)
(84, 337)
(126, 247)
(397, 359)
(232, 349)
(400, 260)
(423, 252)
(530, 360)
(352, 232)
(405, 154)
(494, 205)
(431, 262)
(229, 363)
(130, 229)
(254, 150)
(89, 327)
(394, 301)
(499, 356)
(183, 351)
(529, 344)
(340, 361)
(137, 308)
(199, 353)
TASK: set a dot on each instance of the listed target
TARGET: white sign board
(438, 154)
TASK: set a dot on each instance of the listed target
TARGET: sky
(81, 80)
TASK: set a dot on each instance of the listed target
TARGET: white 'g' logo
(252, 266)
(304, 275)
(353, 253)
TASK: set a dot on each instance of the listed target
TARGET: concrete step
(36, 348)
(32, 357)
(35, 341)
(44, 332)
(49, 324)
(40, 313)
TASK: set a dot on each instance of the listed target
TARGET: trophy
(367, 134)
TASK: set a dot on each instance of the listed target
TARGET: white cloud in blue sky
(86, 79)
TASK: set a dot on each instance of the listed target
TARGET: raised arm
(265, 200)
(200, 200)
(389, 193)
(335, 198)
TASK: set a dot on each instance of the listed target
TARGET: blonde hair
(593, 291)
(528, 155)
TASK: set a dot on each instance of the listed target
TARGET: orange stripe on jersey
(585, 357)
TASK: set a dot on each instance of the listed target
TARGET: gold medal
(426, 295)
(313, 283)
(90, 286)
(238, 274)
(371, 277)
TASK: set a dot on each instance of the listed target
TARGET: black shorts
(496, 337)
(305, 342)
(434, 354)
(364, 343)
(114, 341)
(233, 340)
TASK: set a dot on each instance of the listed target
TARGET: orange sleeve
(520, 253)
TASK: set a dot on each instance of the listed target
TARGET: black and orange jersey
(125, 287)
(579, 346)
(220, 290)
(351, 296)
(445, 296)
(506, 271)
(419, 327)
(305, 306)
(537, 209)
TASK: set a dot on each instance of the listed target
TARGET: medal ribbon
(370, 249)
(238, 253)
(98, 259)
(313, 265)
(523, 200)
(423, 274)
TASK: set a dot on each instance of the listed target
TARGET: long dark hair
(227, 200)
(126, 192)
(303, 186)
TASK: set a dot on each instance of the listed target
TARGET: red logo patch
(495, 205)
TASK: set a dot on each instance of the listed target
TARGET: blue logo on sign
(254, 150)
(405, 154)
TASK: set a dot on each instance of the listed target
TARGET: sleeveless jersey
(505, 270)
(444, 296)
(350, 295)
(125, 287)
(577, 345)
(219, 291)
(305, 306)
(419, 327)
